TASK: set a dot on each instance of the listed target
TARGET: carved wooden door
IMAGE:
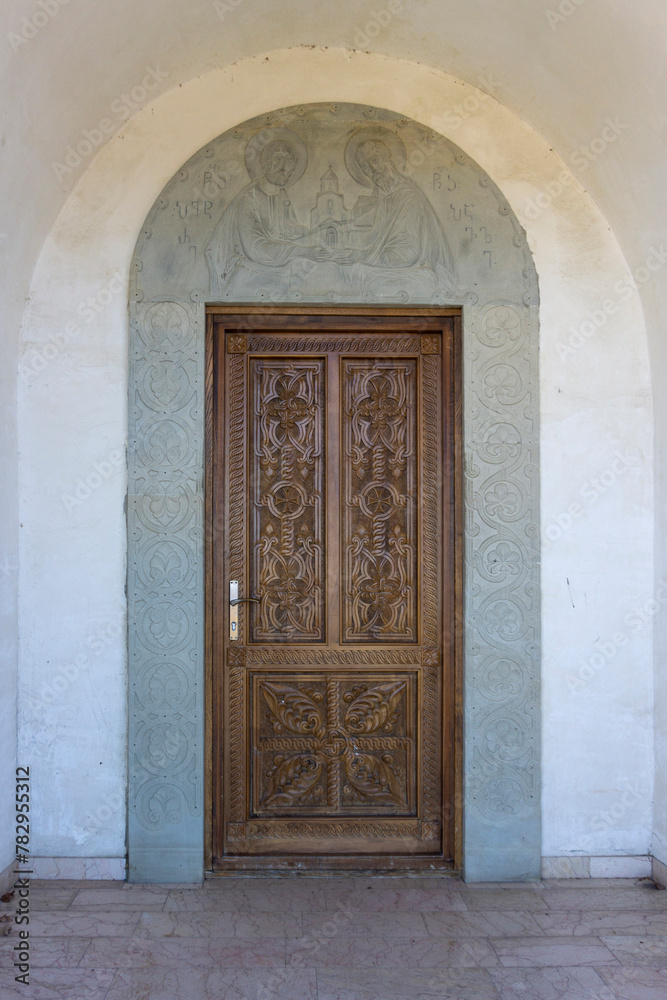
(333, 505)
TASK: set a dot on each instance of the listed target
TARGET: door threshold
(295, 867)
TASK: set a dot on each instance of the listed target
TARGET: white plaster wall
(8, 602)
(656, 310)
(595, 402)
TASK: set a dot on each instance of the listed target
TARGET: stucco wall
(8, 589)
(596, 406)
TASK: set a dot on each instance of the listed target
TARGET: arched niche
(202, 243)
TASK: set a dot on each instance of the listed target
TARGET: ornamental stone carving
(351, 205)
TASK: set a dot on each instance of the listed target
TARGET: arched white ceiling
(564, 66)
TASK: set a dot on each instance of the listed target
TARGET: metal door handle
(234, 601)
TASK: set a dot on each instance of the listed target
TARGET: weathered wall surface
(596, 427)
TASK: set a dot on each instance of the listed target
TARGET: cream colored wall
(596, 406)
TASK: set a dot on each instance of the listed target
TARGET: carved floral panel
(287, 500)
(329, 745)
(379, 502)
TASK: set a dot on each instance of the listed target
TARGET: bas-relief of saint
(391, 243)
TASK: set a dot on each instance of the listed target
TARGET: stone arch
(471, 252)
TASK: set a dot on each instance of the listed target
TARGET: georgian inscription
(379, 503)
(286, 486)
(328, 745)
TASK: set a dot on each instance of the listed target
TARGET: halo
(370, 133)
(261, 140)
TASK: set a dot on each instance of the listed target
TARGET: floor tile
(188, 952)
(47, 953)
(395, 924)
(550, 984)
(636, 983)
(505, 899)
(594, 923)
(591, 883)
(636, 898)
(49, 899)
(489, 923)
(377, 952)
(84, 923)
(535, 886)
(68, 883)
(218, 923)
(60, 984)
(434, 883)
(213, 984)
(563, 951)
(380, 899)
(365, 984)
(274, 898)
(645, 950)
(122, 898)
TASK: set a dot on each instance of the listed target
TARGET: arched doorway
(437, 232)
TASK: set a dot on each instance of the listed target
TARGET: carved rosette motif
(503, 570)
(333, 746)
(380, 494)
(164, 592)
(287, 500)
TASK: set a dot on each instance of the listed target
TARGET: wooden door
(332, 501)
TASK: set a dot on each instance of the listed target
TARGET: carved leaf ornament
(370, 777)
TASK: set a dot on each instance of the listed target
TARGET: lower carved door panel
(332, 507)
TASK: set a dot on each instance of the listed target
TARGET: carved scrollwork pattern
(379, 516)
(400, 657)
(287, 500)
(361, 831)
(430, 501)
(322, 344)
(334, 746)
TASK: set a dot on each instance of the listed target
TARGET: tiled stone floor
(343, 938)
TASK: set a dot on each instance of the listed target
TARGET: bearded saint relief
(390, 245)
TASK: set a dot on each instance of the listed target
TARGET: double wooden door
(332, 507)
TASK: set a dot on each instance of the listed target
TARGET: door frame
(342, 863)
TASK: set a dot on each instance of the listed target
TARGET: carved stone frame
(166, 655)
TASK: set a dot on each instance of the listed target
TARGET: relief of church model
(388, 238)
